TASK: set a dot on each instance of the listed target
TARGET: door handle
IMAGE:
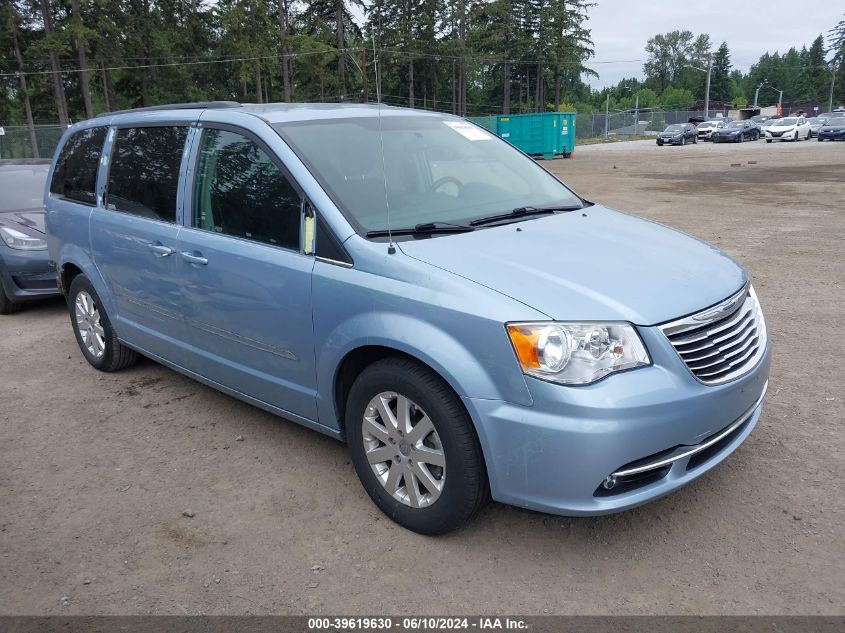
(199, 260)
(160, 250)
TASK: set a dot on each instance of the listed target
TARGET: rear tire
(388, 458)
(94, 332)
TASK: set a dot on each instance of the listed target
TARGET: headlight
(576, 353)
(21, 241)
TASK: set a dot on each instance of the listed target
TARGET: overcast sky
(620, 28)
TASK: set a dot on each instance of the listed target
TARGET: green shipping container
(544, 134)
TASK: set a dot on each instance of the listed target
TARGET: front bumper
(27, 275)
(832, 136)
(555, 455)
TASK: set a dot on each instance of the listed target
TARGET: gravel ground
(96, 470)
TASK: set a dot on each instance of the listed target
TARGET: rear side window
(241, 192)
(75, 176)
(144, 171)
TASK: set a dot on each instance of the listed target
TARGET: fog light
(609, 483)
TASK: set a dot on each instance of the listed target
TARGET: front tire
(414, 447)
(93, 330)
(7, 306)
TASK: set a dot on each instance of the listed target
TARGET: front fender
(454, 362)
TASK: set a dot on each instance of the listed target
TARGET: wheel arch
(74, 261)
(367, 338)
(356, 361)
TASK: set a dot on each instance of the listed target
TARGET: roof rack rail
(197, 105)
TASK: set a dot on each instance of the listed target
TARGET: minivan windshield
(425, 169)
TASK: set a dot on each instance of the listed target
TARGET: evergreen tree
(815, 76)
(720, 80)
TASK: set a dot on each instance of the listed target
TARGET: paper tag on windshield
(469, 131)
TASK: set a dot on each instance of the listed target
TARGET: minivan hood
(589, 265)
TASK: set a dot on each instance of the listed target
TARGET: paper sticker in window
(469, 131)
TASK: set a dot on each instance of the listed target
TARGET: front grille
(721, 343)
(775, 134)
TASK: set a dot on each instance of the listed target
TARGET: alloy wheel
(89, 325)
(404, 449)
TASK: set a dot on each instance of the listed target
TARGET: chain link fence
(16, 141)
(634, 122)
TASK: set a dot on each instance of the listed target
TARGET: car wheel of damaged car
(414, 447)
(93, 330)
(7, 306)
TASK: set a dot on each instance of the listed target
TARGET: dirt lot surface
(96, 469)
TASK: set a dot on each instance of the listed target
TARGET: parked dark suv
(678, 134)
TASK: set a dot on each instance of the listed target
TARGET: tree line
(674, 75)
(64, 60)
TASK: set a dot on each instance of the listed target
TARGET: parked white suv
(788, 129)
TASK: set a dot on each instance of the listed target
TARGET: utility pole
(366, 92)
(832, 80)
(606, 113)
(707, 87)
(637, 115)
(757, 94)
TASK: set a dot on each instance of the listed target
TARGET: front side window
(144, 171)
(241, 192)
(75, 176)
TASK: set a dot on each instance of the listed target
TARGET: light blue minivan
(411, 284)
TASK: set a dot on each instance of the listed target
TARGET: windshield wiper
(520, 212)
(425, 228)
